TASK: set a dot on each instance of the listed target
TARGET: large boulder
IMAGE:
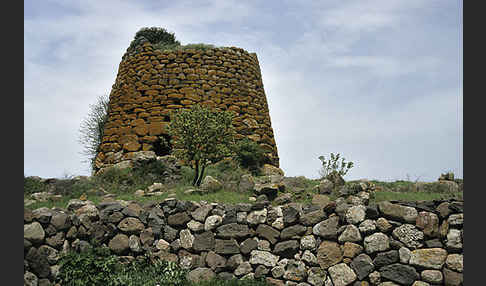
(399, 273)
(201, 212)
(119, 244)
(295, 271)
(455, 262)
(362, 265)
(287, 248)
(34, 232)
(429, 223)
(186, 239)
(409, 235)
(233, 230)
(376, 242)
(327, 229)
(212, 222)
(131, 225)
(226, 246)
(325, 186)
(398, 212)
(203, 241)
(268, 233)
(321, 200)
(329, 253)
(313, 217)
(257, 217)
(210, 184)
(269, 170)
(432, 258)
(200, 274)
(293, 232)
(350, 234)
(263, 257)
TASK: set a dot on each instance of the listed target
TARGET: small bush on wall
(156, 36)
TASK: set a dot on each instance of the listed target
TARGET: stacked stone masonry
(346, 242)
(152, 83)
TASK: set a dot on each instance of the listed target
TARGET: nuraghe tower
(151, 83)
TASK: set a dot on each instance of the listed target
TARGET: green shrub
(93, 267)
(98, 267)
(92, 129)
(151, 171)
(250, 155)
(156, 36)
(145, 272)
(33, 185)
(233, 282)
(334, 166)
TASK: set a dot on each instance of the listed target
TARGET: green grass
(175, 47)
(412, 196)
(124, 183)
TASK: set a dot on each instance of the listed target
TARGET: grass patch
(412, 196)
(178, 47)
(123, 184)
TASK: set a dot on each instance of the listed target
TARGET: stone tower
(151, 83)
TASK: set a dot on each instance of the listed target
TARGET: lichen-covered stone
(398, 212)
(34, 232)
(350, 234)
(341, 274)
(376, 242)
(432, 258)
(327, 229)
(295, 271)
(432, 276)
(454, 240)
(452, 278)
(409, 235)
(263, 257)
(429, 223)
(455, 262)
(356, 214)
(212, 222)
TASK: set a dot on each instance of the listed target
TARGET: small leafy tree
(334, 166)
(201, 136)
(92, 129)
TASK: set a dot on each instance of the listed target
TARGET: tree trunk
(196, 176)
(201, 176)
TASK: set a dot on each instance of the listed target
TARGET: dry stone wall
(346, 242)
(152, 83)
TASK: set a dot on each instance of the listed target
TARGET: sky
(379, 82)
